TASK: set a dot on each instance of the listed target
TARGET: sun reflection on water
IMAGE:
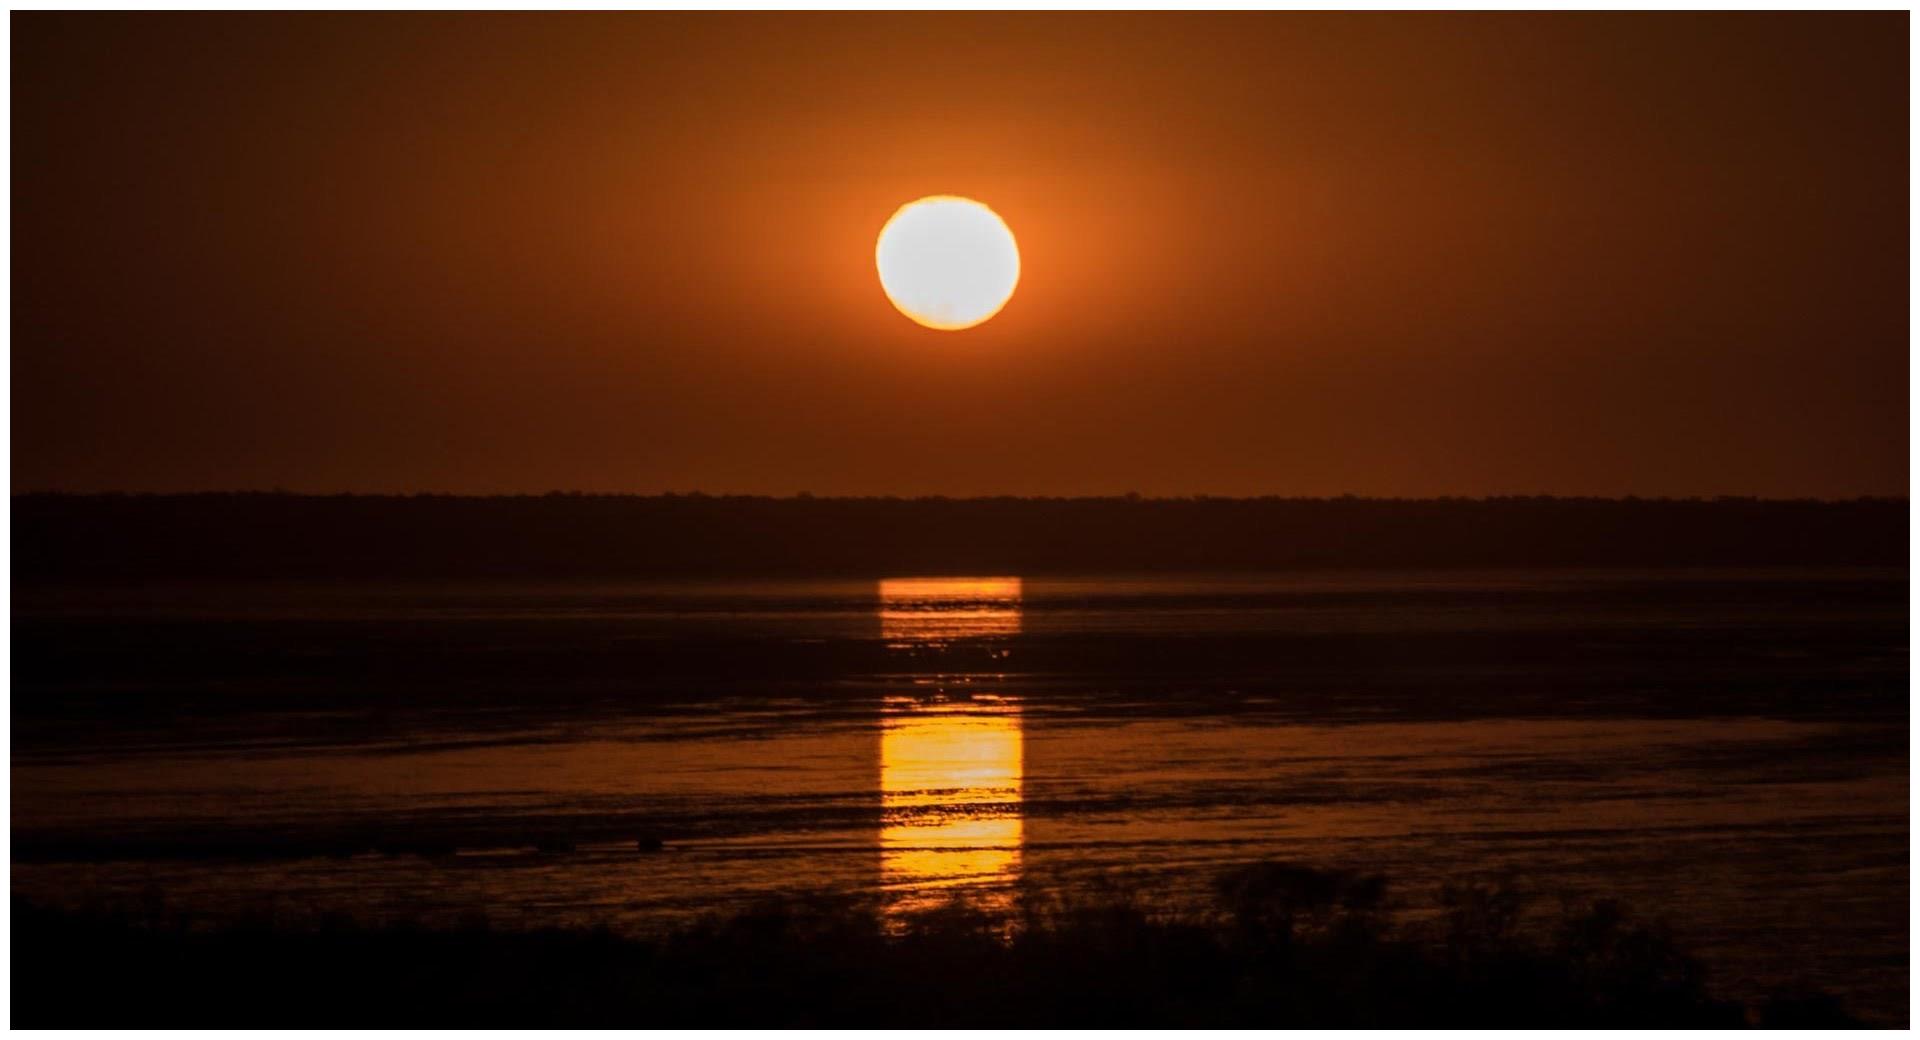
(950, 784)
(950, 770)
(918, 612)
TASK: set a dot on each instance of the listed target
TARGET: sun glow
(946, 262)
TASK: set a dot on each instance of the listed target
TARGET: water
(1727, 750)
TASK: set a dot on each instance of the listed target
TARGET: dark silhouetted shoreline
(279, 536)
(1283, 946)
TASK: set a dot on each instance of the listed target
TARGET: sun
(946, 262)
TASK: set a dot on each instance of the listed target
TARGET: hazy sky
(1297, 254)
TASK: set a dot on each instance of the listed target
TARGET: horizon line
(1121, 497)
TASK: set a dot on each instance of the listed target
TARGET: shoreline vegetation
(1282, 945)
(281, 536)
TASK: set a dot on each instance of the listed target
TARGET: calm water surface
(1727, 750)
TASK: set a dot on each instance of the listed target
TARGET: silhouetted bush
(1285, 946)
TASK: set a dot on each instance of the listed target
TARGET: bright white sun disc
(946, 262)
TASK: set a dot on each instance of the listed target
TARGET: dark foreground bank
(1285, 946)
(281, 536)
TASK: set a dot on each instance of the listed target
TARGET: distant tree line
(565, 535)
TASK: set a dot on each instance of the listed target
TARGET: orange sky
(1294, 254)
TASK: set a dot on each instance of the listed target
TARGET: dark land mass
(1284, 946)
(284, 536)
